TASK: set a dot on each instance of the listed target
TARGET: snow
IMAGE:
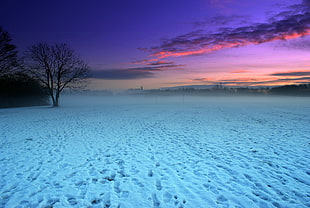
(157, 152)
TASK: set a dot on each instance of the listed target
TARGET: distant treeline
(19, 89)
(302, 90)
(298, 90)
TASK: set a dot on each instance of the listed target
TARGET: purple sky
(164, 43)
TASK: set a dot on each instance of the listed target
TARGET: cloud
(297, 78)
(201, 80)
(160, 63)
(264, 81)
(152, 62)
(297, 44)
(198, 42)
(161, 67)
(121, 74)
(292, 74)
(133, 73)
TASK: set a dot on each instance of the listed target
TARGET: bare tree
(56, 67)
(8, 54)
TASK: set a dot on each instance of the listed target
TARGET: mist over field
(93, 99)
(157, 151)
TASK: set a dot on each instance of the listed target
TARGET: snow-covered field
(134, 152)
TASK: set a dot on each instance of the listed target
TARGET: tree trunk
(55, 103)
(56, 100)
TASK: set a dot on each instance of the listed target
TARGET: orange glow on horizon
(230, 79)
(239, 71)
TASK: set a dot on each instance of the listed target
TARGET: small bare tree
(56, 67)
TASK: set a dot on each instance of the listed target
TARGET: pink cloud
(293, 25)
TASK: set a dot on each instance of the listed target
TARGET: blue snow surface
(130, 152)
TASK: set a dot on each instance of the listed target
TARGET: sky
(165, 43)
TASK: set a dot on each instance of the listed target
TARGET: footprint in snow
(158, 185)
(150, 173)
(137, 182)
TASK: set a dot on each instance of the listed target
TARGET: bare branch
(56, 66)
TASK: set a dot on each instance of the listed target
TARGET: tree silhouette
(56, 67)
(8, 54)
(19, 89)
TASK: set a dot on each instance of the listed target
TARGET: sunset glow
(222, 45)
(236, 43)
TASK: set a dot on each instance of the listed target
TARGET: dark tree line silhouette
(16, 87)
(44, 72)
(8, 54)
(19, 89)
(302, 89)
